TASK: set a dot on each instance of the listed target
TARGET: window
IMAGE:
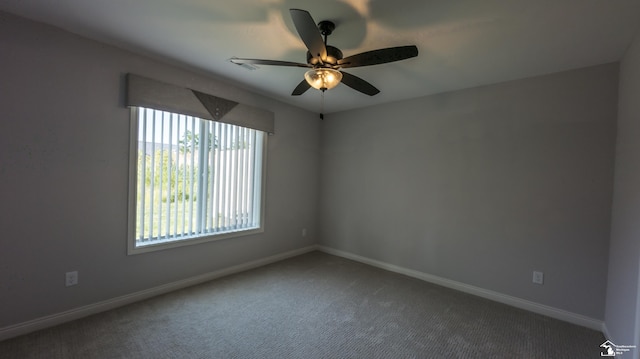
(193, 180)
(196, 166)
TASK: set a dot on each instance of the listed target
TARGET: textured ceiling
(462, 43)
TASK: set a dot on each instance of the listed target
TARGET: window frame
(132, 248)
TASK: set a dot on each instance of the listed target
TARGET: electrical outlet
(304, 232)
(538, 277)
(71, 278)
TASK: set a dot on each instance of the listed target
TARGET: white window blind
(195, 178)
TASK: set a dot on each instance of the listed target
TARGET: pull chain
(322, 106)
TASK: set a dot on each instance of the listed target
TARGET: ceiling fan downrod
(326, 27)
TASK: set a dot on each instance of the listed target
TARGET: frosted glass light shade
(323, 78)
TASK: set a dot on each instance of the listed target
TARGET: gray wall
(623, 299)
(64, 143)
(482, 186)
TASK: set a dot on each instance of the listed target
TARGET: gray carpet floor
(311, 306)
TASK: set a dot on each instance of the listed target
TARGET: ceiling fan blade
(302, 87)
(309, 33)
(238, 61)
(358, 84)
(380, 56)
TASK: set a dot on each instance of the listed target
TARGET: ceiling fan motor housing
(333, 56)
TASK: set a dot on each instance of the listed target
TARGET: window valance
(146, 92)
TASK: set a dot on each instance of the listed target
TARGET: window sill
(187, 241)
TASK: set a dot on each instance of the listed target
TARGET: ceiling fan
(327, 61)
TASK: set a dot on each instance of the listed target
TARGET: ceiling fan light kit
(323, 78)
(326, 61)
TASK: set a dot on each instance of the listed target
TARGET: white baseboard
(77, 313)
(480, 292)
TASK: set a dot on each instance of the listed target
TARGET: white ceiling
(462, 43)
